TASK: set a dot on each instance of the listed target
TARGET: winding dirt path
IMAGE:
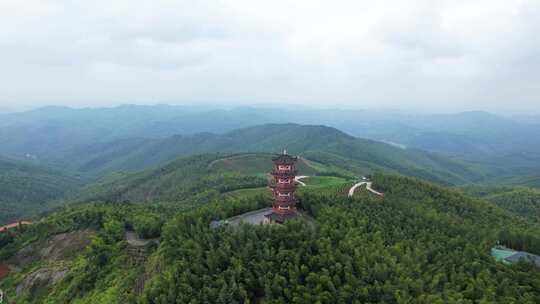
(298, 178)
(368, 187)
(134, 240)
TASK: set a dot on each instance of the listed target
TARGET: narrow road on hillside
(14, 225)
(298, 178)
(133, 239)
(368, 187)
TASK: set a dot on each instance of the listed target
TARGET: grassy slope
(313, 184)
(231, 174)
(178, 180)
(324, 182)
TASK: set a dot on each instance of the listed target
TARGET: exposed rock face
(40, 280)
(56, 248)
(60, 247)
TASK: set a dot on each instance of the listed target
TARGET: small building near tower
(283, 186)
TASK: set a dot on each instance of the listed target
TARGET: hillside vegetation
(207, 175)
(160, 173)
(526, 181)
(521, 201)
(148, 170)
(323, 144)
(499, 145)
(25, 189)
(212, 174)
(421, 243)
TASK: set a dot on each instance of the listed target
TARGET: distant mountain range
(507, 147)
(317, 142)
(44, 131)
(84, 145)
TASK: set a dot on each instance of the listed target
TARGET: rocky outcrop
(56, 248)
(40, 280)
(51, 251)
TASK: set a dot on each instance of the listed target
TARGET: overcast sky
(437, 55)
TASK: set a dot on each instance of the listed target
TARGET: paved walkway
(253, 217)
(351, 191)
(257, 217)
(298, 180)
(368, 187)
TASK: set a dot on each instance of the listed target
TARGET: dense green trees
(174, 182)
(421, 243)
(521, 201)
(25, 189)
(147, 226)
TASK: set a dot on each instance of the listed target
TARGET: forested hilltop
(138, 154)
(120, 219)
(421, 243)
(142, 169)
(521, 201)
(226, 172)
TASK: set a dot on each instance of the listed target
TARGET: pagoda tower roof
(284, 159)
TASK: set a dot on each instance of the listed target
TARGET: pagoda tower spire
(283, 187)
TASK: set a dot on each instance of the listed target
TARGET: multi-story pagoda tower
(283, 186)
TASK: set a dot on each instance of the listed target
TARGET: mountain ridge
(139, 154)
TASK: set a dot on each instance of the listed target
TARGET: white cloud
(448, 55)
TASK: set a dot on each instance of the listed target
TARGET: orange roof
(284, 159)
(14, 225)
